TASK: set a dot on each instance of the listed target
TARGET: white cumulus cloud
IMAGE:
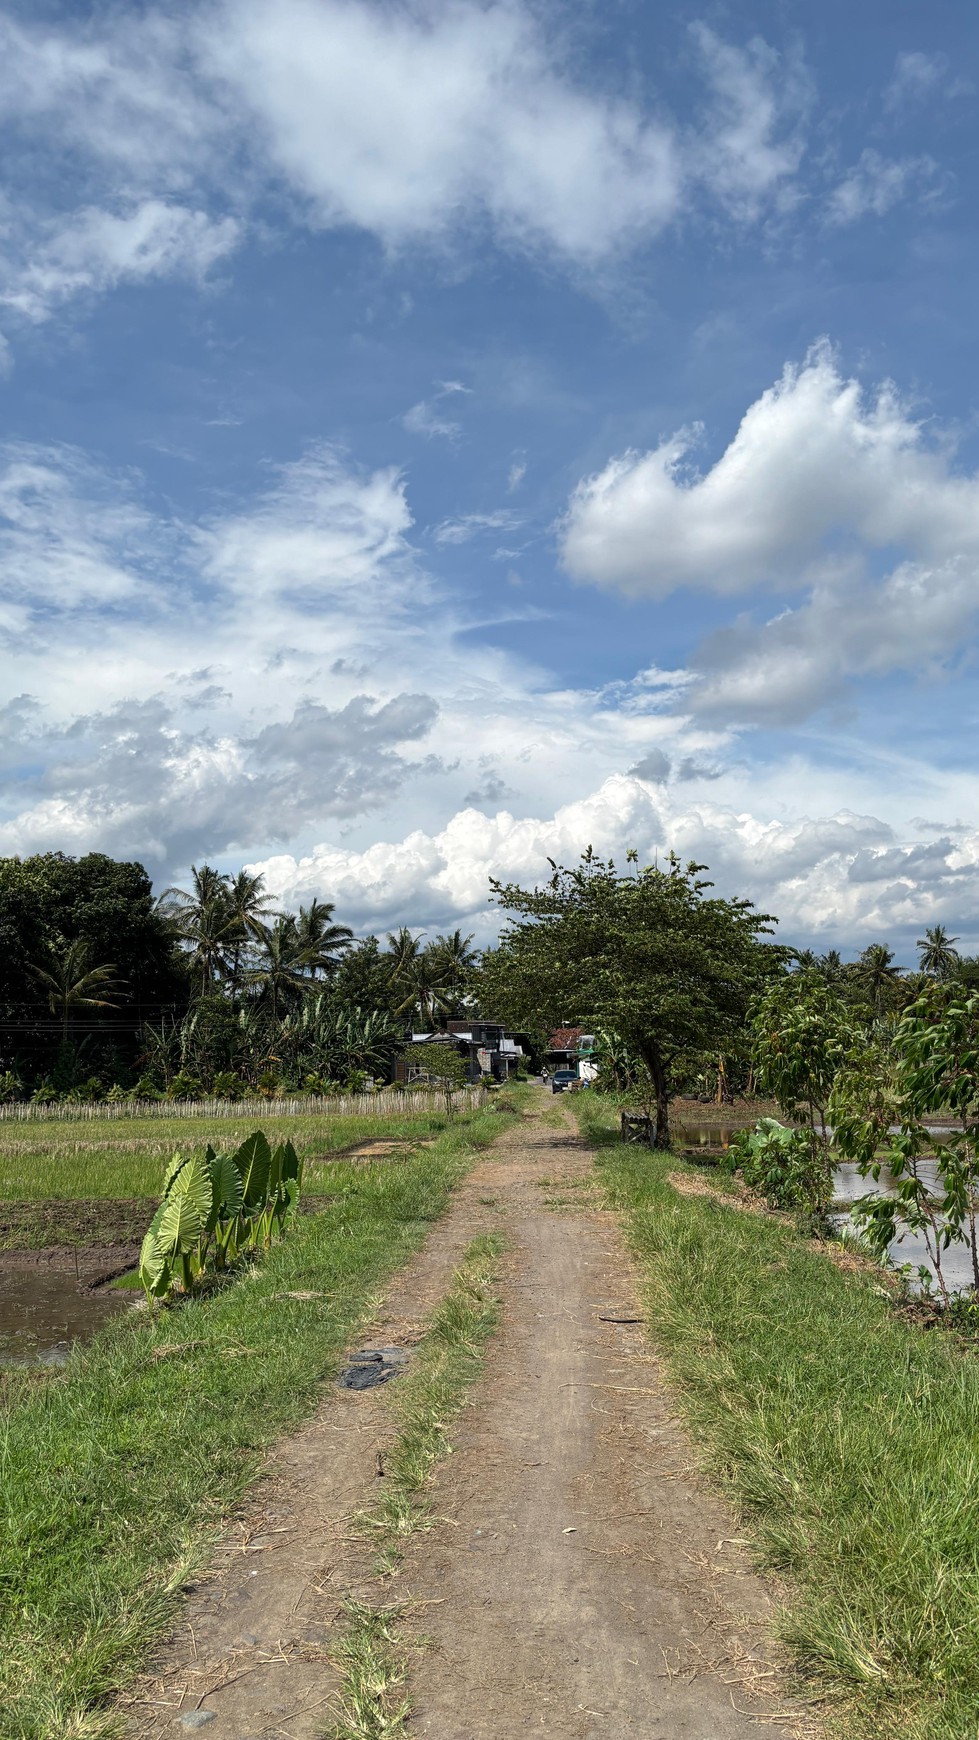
(825, 490)
(843, 876)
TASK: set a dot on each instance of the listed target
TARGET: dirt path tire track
(580, 1582)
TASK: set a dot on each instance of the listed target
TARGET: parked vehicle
(563, 1079)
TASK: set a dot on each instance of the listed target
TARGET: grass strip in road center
(117, 1470)
(425, 1402)
(848, 1436)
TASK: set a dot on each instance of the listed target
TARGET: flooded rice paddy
(44, 1310)
(848, 1185)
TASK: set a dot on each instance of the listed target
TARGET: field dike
(561, 1569)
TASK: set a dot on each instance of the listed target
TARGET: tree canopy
(650, 954)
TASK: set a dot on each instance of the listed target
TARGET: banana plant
(218, 1206)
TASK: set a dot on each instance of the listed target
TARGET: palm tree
(831, 966)
(70, 981)
(205, 920)
(937, 954)
(805, 959)
(445, 963)
(279, 966)
(877, 976)
(456, 955)
(324, 942)
(250, 903)
(405, 955)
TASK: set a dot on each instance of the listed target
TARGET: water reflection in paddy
(43, 1311)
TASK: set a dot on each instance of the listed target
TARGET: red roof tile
(564, 1038)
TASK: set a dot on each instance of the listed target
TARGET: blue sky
(439, 437)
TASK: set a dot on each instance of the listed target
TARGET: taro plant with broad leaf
(929, 1068)
(216, 1208)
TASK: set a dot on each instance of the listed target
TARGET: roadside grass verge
(424, 1402)
(848, 1437)
(116, 1470)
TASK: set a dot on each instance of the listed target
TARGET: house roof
(565, 1038)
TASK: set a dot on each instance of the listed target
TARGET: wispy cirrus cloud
(877, 183)
(140, 142)
(93, 250)
(467, 526)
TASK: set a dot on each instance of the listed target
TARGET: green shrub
(227, 1086)
(780, 1163)
(185, 1086)
(85, 1092)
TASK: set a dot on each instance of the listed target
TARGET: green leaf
(226, 1186)
(253, 1160)
(290, 1162)
(154, 1269)
(176, 1165)
(193, 1182)
(181, 1225)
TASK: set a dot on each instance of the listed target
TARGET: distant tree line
(210, 989)
(105, 990)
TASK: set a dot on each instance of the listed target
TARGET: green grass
(116, 1470)
(59, 1160)
(848, 1436)
(425, 1402)
(372, 1661)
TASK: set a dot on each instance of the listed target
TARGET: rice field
(115, 1156)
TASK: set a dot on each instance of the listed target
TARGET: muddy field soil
(90, 1265)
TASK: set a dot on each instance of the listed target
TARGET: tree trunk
(661, 1088)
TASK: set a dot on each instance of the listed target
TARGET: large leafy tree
(650, 954)
(48, 902)
(363, 977)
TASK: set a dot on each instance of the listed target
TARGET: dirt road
(579, 1584)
